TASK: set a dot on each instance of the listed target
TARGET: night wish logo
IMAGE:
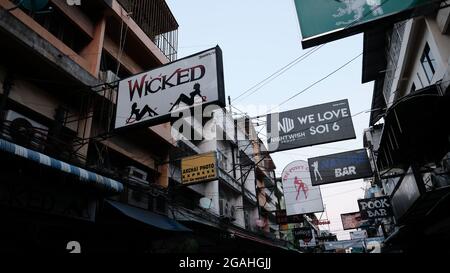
(287, 125)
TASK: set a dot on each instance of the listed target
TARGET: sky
(257, 38)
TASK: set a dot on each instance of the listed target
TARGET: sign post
(322, 21)
(309, 126)
(351, 220)
(340, 167)
(152, 97)
(300, 195)
(199, 169)
(374, 208)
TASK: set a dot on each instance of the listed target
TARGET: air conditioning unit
(24, 131)
(137, 175)
(137, 198)
(226, 210)
(108, 76)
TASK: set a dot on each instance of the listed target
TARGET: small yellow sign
(199, 168)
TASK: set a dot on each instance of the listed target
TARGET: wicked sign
(152, 97)
(373, 208)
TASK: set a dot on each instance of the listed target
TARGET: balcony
(37, 137)
(229, 180)
(270, 207)
(157, 21)
(421, 197)
(250, 197)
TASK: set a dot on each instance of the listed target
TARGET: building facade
(69, 180)
(61, 165)
(239, 214)
(408, 137)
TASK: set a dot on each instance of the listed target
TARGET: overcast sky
(258, 37)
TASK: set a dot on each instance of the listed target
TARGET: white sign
(177, 86)
(359, 234)
(301, 197)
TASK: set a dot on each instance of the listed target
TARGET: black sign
(309, 126)
(282, 218)
(304, 233)
(373, 208)
(339, 167)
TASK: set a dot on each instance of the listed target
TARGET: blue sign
(339, 167)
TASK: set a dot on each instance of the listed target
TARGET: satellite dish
(205, 203)
(33, 5)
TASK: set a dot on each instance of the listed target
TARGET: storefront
(47, 203)
(415, 145)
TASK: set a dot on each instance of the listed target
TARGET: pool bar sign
(339, 167)
(152, 97)
(309, 126)
(373, 208)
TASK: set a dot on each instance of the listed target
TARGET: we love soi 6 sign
(318, 124)
(322, 21)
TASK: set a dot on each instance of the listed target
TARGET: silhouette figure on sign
(139, 114)
(300, 186)
(315, 165)
(189, 101)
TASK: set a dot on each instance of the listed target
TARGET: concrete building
(409, 125)
(58, 69)
(238, 201)
(67, 176)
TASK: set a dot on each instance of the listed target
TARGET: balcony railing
(157, 21)
(250, 196)
(63, 147)
(230, 180)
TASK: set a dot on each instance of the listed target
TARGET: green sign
(322, 21)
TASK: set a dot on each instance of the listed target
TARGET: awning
(257, 239)
(416, 130)
(101, 182)
(344, 244)
(149, 218)
(429, 207)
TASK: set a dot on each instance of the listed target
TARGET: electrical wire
(276, 74)
(287, 67)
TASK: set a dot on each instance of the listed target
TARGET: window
(428, 62)
(420, 80)
(222, 160)
(62, 28)
(413, 88)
